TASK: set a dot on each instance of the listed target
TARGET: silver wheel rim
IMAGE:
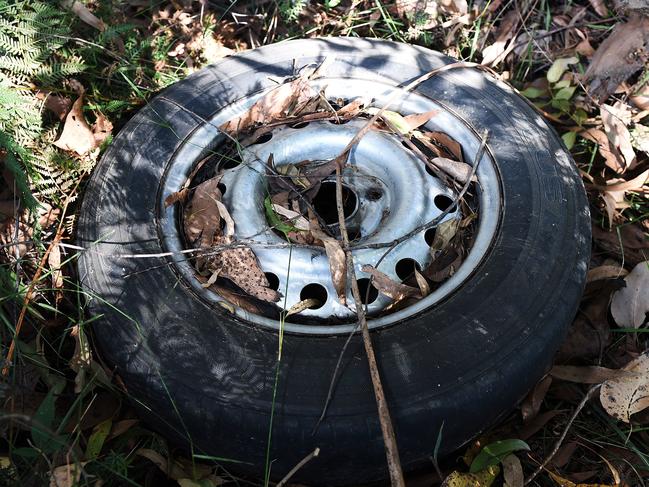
(409, 197)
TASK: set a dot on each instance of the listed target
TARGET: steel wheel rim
(246, 211)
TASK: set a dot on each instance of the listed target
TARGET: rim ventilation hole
(263, 138)
(325, 202)
(229, 164)
(429, 236)
(443, 202)
(314, 291)
(273, 280)
(299, 125)
(374, 194)
(363, 286)
(406, 268)
(222, 188)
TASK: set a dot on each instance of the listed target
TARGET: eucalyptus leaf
(494, 453)
(559, 67)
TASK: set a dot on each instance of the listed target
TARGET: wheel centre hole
(325, 202)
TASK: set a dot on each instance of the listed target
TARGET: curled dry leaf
(599, 7)
(337, 263)
(424, 287)
(623, 397)
(278, 103)
(392, 289)
(451, 147)
(492, 55)
(302, 305)
(444, 233)
(77, 136)
(202, 217)
(630, 304)
(588, 374)
(622, 54)
(611, 155)
(604, 272)
(615, 119)
(460, 171)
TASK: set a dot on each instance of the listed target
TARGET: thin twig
(559, 442)
(389, 438)
(300, 464)
(35, 279)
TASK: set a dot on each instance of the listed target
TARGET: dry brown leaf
(451, 146)
(202, 217)
(512, 471)
(54, 261)
(460, 171)
(564, 454)
(623, 397)
(392, 289)
(424, 287)
(177, 197)
(278, 103)
(302, 305)
(532, 404)
(77, 135)
(622, 53)
(611, 155)
(66, 475)
(588, 374)
(640, 98)
(635, 246)
(101, 129)
(492, 55)
(120, 427)
(416, 120)
(630, 304)
(444, 233)
(615, 119)
(84, 14)
(81, 359)
(603, 272)
(599, 7)
(57, 104)
(293, 217)
(337, 263)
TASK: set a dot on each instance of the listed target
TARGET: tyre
(204, 373)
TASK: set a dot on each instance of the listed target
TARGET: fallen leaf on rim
(450, 145)
(392, 289)
(302, 305)
(278, 103)
(623, 397)
(589, 374)
(512, 471)
(460, 171)
(630, 304)
(294, 218)
(202, 217)
(444, 233)
(416, 120)
(619, 56)
(424, 287)
(615, 119)
(177, 197)
(337, 262)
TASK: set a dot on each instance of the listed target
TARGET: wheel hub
(389, 193)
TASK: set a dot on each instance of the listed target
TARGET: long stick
(389, 438)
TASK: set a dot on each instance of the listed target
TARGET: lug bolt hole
(443, 202)
(263, 138)
(273, 280)
(368, 292)
(406, 268)
(374, 194)
(314, 291)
